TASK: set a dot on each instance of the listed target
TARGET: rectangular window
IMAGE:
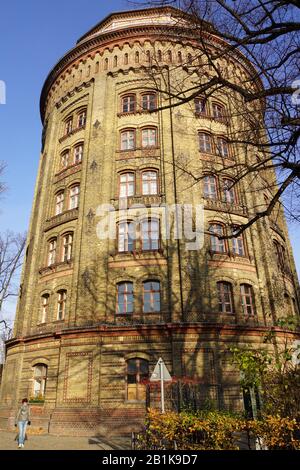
(68, 126)
(205, 144)
(61, 304)
(45, 308)
(128, 140)
(81, 119)
(128, 104)
(217, 244)
(149, 180)
(78, 153)
(150, 234)
(127, 185)
(222, 147)
(247, 300)
(225, 297)
(74, 197)
(59, 206)
(125, 298)
(151, 297)
(229, 191)
(126, 236)
(148, 138)
(210, 187)
(238, 247)
(67, 247)
(149, 102)
(200, 107)
(64, 162)
(52, 252)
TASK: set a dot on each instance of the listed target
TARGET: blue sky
(34, 34)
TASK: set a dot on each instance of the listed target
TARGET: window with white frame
(39, 380)
(67, 247)
(81, 121)
(52, 251)
(210, 187)
(59, 202)
(205, 142)
(217, 244)
(128, 104)
(247, 299)
(61, 304)
(126, 236)
(126, 184)
(44, 308)
(74, 197)
(128, 140)
(149, 138)
(78, 153)
(149, 182)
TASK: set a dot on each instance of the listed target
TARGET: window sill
(74, 131)
(67, 168)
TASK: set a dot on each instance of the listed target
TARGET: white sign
(160, 372)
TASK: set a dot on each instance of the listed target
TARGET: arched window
(148, 101)
(126, 184)
(218, 111)
(238, 244)
(137, 57)
(126, 59)
(210, 187)
(52, 251)
(200, 106)
(205, 142)
(280, 254)
(44, 308)
(217, 245)
(68, 125)
(61, 304)
(81, 120)
(106, 64)
(189, 59)
(288, 307)
(59, 202)
(137, 371)
(159, 56)
(125, 297)
(126, 236)
(39, 380)
(229, 192)
(128, 104)
(64, 159)
(223, 147)
(247, 300)
(74, 197)
(169, 57)
(115, 61)
(179, 57)
(67, 247)
(97, 67)
(151, 296)
(149, 138)
(128, 140)
(149, 182)
(148, 57)
(78, 153)
(225, 297)
(150, 234)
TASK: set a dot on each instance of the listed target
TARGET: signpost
(161, 374)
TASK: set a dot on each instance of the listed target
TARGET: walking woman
(22, 419)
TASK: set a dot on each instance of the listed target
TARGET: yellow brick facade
(86, 352)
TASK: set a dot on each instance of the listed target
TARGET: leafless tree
(11, 256)
(266, 98)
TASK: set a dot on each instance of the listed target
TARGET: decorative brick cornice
(184, 35)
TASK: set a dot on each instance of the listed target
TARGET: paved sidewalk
(50, 442)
